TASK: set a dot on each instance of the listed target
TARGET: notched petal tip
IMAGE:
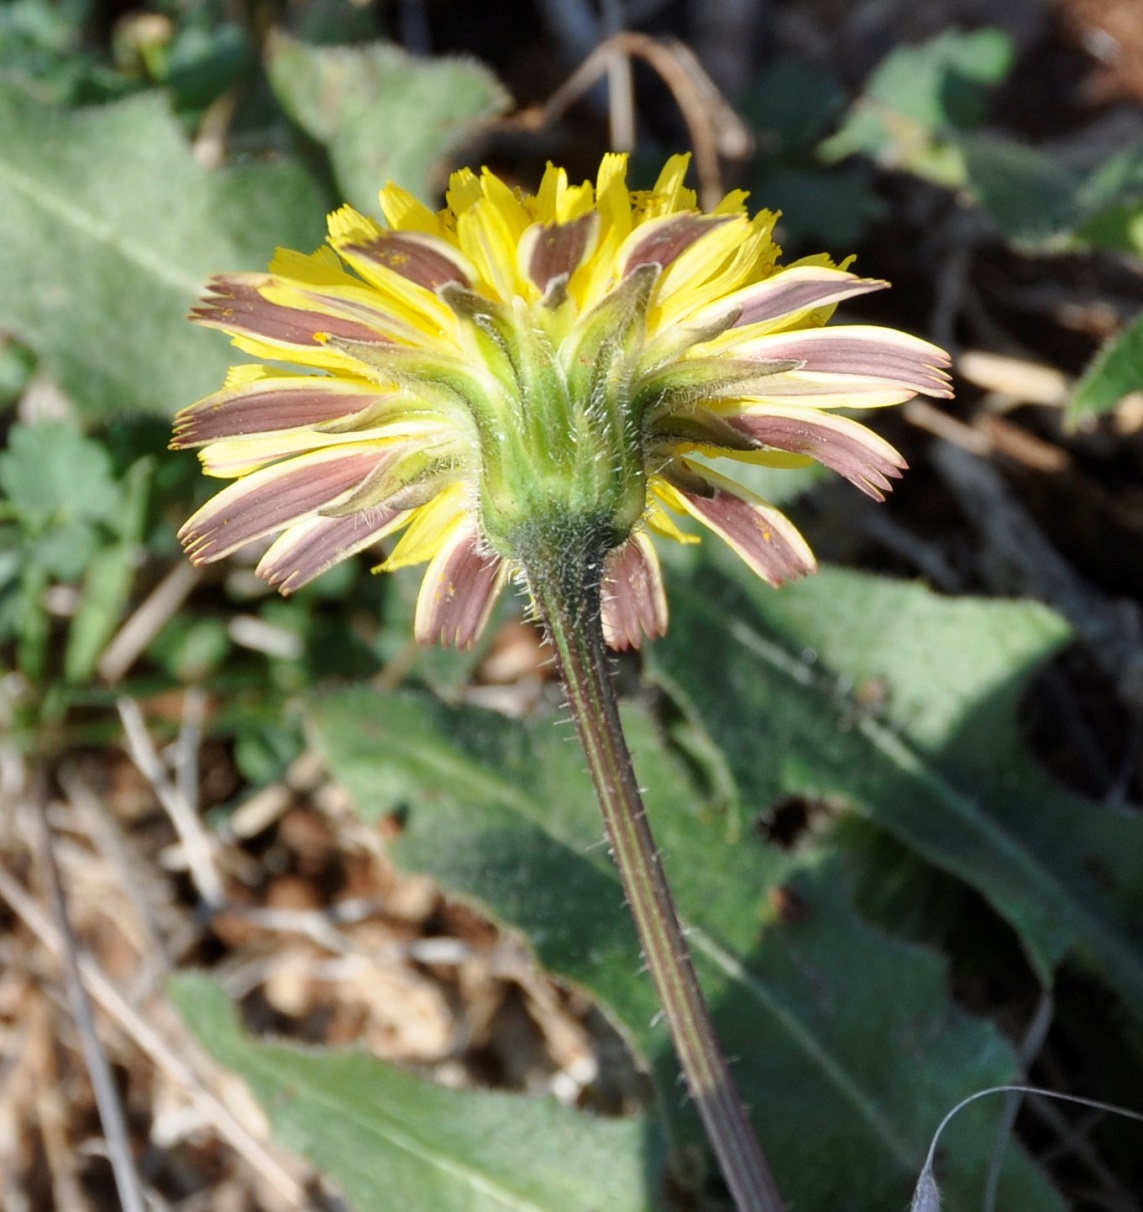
(839, 443)
(763, 536)
(270, 500)
(236, 304)
(459, 590)
(634, 601)
(268, 405)
(799, 289)
(870, 365)
(303, 552)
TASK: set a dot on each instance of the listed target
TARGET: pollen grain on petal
(761, 534)
(427, 262)
(459, 589)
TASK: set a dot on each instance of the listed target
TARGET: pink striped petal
(862, 359)
(274, 498)
(309, 548)
(661, 241)
(422, 259)
(460, 587)
(791, 291)
(843, 445)
(234, 303)
(271, 403)
(550, 253)
(762, 535)
(634, 602)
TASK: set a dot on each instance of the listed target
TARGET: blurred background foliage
(902, 819)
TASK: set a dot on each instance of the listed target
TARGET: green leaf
(65, 550)
(191, 649)
(844, 1041)
(793, 102)
(17, 365)
(942, 767)
(108, 580)
(1030, 194)
(110, 232)
(943, 82)
(1116, 372)
(384, 115)
(52, 474)
(45, 46)
(917, 96)
(1118, 227)
(204, 61)
(393, 1140)
(1039, 199)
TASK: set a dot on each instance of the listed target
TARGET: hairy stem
(571, 616)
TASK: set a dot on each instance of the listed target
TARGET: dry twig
(714, 128)
(196, 844)
(147, 1038)
(111, 1115)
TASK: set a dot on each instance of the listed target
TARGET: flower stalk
(530, 388)
(566, 593)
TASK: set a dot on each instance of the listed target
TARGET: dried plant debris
(317, 938)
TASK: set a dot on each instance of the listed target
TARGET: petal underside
(763, 536)
(308, 548)
(785, 298)
(634, 601)
(235, 304)
(839, 443)
(254, 405)
(860, 366)
(549, 253)
(272, 499)
(459, 589)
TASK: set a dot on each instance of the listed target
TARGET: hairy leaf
(390, 1139)
(940, 764)
(918, 96)
(845, 1042)
(110, 231)
(384, 115)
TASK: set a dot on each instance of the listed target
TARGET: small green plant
(70, 533)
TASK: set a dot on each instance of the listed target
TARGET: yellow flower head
(522, 373)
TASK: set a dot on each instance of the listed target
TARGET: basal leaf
(1116, 372)
(844, 1042)
(110, 231)
(383, 114)
(390, 1139)
(941, 765)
